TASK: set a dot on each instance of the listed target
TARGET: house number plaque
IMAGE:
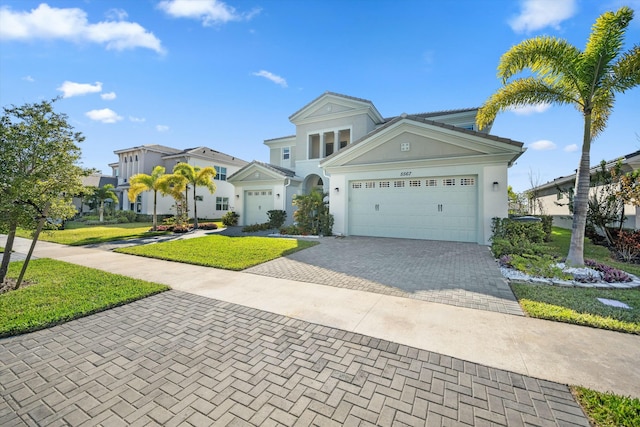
(405, 173)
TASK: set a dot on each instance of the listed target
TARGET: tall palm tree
(158, 181)
(196, 177)
(563, 74)
(102, 194)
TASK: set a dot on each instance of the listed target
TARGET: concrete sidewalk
(598, 359)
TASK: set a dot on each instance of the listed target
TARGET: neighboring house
(552, 199)
(94, 180)
(143, 159)
(419, 176)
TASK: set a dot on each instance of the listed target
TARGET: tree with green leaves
(565, 75)
(97, 196)
(196, 177)
(157, 182)
(39, 155)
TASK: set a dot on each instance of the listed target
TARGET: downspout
(284, 196)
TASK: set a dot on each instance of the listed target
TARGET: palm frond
(522, 92)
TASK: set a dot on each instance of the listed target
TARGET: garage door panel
(419, 208)
(257, 204)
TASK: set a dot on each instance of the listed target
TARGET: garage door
(257, 204)
(442, 208)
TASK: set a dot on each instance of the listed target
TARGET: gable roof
(420, 119)
(273, 169)
(151, 147)
(631, 159)
(373, 111)
(207, 154)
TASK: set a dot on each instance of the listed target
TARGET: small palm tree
(196, 177)
(158, 181)
(101, 195)
(563, 74)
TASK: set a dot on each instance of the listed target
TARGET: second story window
(221, 173)
(286, 153)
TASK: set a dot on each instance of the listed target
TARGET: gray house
(421, 176)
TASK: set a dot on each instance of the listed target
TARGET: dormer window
(286, 153)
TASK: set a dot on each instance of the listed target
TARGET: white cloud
(270, 76)
(116, 14)
(538, 14)
(70, 89)
(162, 128)
(137, 119)
(71, 24)
(210, 12)
(571, 148)
(109, 96)
(29, 79)
(105, 115)
(530, 109)
(543, 145)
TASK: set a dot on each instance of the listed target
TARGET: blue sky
(227, 75)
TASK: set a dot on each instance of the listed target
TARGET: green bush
(547, 225)
(129, 216)
(257, 227)
(276, 218)
(312, 215)
(538, 266)
(292, 230)
(509, 229)
(230, 219)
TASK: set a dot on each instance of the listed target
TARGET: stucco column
(336, 142)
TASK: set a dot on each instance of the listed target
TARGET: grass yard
(608, 409)
(580, 305)
(229, 253)
(60, 292)
(79, 234)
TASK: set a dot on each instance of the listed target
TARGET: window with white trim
(370, 184)
(415, 183)
(467, 181)
(431, 182)
(384, 184)
(356, 185)
(398, 184)
(286, 153)
(447, 182)
(222, 203)
(221, 173)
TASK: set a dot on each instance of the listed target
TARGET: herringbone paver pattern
(460, 274)
(181, 359)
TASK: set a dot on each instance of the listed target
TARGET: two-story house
(143, 159)
(420, 176)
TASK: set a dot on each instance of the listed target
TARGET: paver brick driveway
(182, 359)
(460, 274)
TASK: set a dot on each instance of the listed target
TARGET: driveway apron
(460, 274)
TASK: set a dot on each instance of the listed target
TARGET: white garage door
(416, 208)
(256, 205)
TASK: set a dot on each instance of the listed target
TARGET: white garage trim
(433, 208)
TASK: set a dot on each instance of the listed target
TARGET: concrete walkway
(568, 354)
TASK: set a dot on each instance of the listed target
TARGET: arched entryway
(312, 182)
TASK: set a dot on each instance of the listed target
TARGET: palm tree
(196, 177)
(102, 194)
(158, 181)
(563, 74)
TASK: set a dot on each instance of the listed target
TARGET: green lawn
(79, 234)
(61, 292)
(608, 409)
(580, 305)
(229, 253)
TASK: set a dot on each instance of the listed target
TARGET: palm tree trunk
(6, 256)
(195, 209)
(580, 201)
(155, 217)
(101, 210)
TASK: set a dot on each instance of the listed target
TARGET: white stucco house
(421, 176)
(142, 159)
(551, 199)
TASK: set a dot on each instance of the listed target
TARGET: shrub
(538, 266)
(508, 229)
(313, 215)
(276, 218)
(627, 245)
(547, 224)
(609, 274)
(208, 226)
(230, 219)
(129, 216)
(180, 229)
(257, 227)
(292, 230)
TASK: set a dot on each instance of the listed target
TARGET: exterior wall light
(337, 190)
(495, 185)
(237, 196)
(278, 195)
